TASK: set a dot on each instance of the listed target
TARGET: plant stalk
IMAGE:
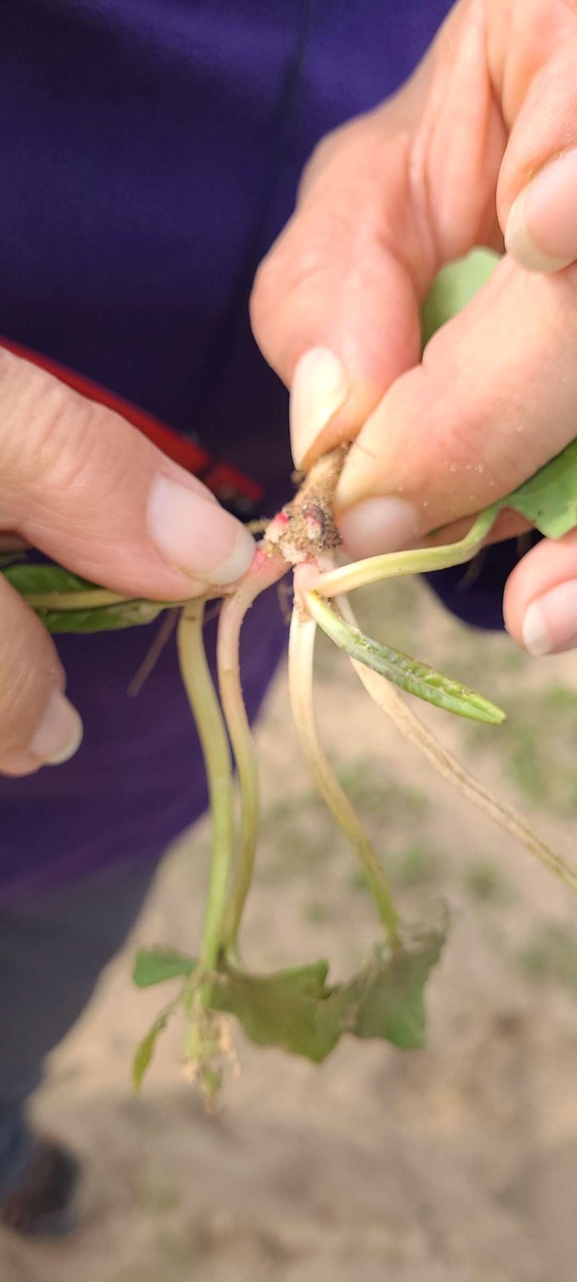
(392, 703)
(301, 654)
(264, 572)
(418, 561)
(209, 721)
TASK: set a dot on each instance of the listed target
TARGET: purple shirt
(150, 154)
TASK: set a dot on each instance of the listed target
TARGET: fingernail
(378, 525)
(197, 536)
(541, 231)
(59, 734)
(550, 624)
(319, 388)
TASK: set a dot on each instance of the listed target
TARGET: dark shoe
(42, 1205)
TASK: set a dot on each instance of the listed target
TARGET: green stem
(268, 571)
(420, 561)
(301, 653)
(206, 710)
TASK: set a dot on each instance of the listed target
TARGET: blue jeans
(52, 951)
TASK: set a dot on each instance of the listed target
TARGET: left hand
(479, 148)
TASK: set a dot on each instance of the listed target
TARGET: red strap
(229, 485)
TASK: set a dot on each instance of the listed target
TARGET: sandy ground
(455, 1164)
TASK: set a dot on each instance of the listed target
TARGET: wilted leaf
(386, 998)
(280, 1009)
(156, 965)
(299, 1012)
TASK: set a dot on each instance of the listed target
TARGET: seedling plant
(300, 1009)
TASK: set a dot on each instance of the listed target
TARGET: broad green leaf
(411, 675)
(549, 498)
(280, 1009)
(298, 1011)
(27, 578)
(386, 998)
(109, 618)
(155, 965)
(146, 1049)
(45, 580)
(453, 288)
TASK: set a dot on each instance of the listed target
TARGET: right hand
(478, 148)
(83, 486)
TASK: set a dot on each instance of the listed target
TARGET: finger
(540, 604)
(80, 483)
(537, 190)
(384, 203)
(493, 400)
(38, 725)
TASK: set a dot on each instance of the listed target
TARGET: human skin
(83, 486)
(478, 148)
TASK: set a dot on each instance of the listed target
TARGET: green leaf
(52, 580)
(109, 618)
(280, 1009)
(410, 674)
(146, 1049)
(299, 1012)
(549, 498)
(155, 965)
(386, 998)
(453, 288)
(27, 579)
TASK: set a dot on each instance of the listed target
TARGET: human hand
(86, 488)
(479, 148)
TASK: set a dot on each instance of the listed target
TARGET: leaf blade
(110, 618)
(409, 674)
(549, 498)
(454, 287)
(145, 1050)
(280, 1009)
(156, 965)
(29, 578)
(386, 998)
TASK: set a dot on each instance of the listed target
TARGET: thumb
(494, 397)
(85, 487)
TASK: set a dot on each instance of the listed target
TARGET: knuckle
(289, 294)
(58, 424)
(341, 148)
(64, 437)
